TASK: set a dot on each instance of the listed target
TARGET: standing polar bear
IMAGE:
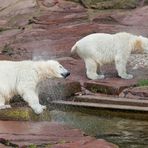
(22, 78)
(100, 48)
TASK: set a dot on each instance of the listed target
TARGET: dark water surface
(126, 133)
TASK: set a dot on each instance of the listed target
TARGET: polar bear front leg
(91, 69)
(32, 98)
(121, 68)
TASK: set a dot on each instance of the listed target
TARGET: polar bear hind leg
(121, 68)
(91, 69)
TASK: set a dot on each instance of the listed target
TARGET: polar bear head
(57, 70)
(52, 69)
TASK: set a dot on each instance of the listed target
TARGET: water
(126, 133)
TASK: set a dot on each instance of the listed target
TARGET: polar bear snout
(57, 70)
(65, 74)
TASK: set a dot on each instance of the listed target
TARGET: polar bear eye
(61, 67)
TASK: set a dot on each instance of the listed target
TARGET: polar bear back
(7, 72)
(10, 70)
(102, 47)
(7, 78)
(10, 75)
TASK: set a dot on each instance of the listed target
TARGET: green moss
(23, 114)
(15, 114)
(48, 145)
(62, 142)
(100, 89)
(33, 146)
(94, 89)
(19, 114)
(143, 82)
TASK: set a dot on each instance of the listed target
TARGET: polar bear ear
(138, 48)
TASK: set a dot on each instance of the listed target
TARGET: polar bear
(101, 48)
(22, 77)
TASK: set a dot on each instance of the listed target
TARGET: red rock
(52, 32)
(5, 57)
(135, 93)
(77, 69)
(38, 133)
(49, 3)
(109, 86)
(8, 36)
(11, 8)
(3, 146)
(57, 90)
(78, 73)
(87, 143)
(54, 18)
(60, 6)
(3, 23)
(68, 6)
(137, 16)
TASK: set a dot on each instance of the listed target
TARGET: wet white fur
(22, 78)
(100, 48)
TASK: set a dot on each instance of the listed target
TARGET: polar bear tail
(73, 49)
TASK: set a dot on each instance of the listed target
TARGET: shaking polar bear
(22, 78)
(100, 48)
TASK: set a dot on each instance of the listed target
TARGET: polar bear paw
(127, 76)
(101, 76)
(38, 109)
(94, 76)
(5, 106)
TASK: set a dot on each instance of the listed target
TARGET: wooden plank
(111, 100)
(102, 106)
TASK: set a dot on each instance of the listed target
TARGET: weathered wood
(111, 100)
(103, 106)
(106, 106)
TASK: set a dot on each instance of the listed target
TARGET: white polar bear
(100, 48)
(22, 78)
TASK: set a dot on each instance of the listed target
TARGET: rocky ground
(46, 134)
(47, 29)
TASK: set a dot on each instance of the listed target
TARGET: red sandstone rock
(3, 22)
(87, 143)
(38, 133)
(54, 33)
(49, 3)
(7, 36)
(109, 86)
(3, 146)
(12, 8)
(137, 17)
(57, 90)
(135, 93)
